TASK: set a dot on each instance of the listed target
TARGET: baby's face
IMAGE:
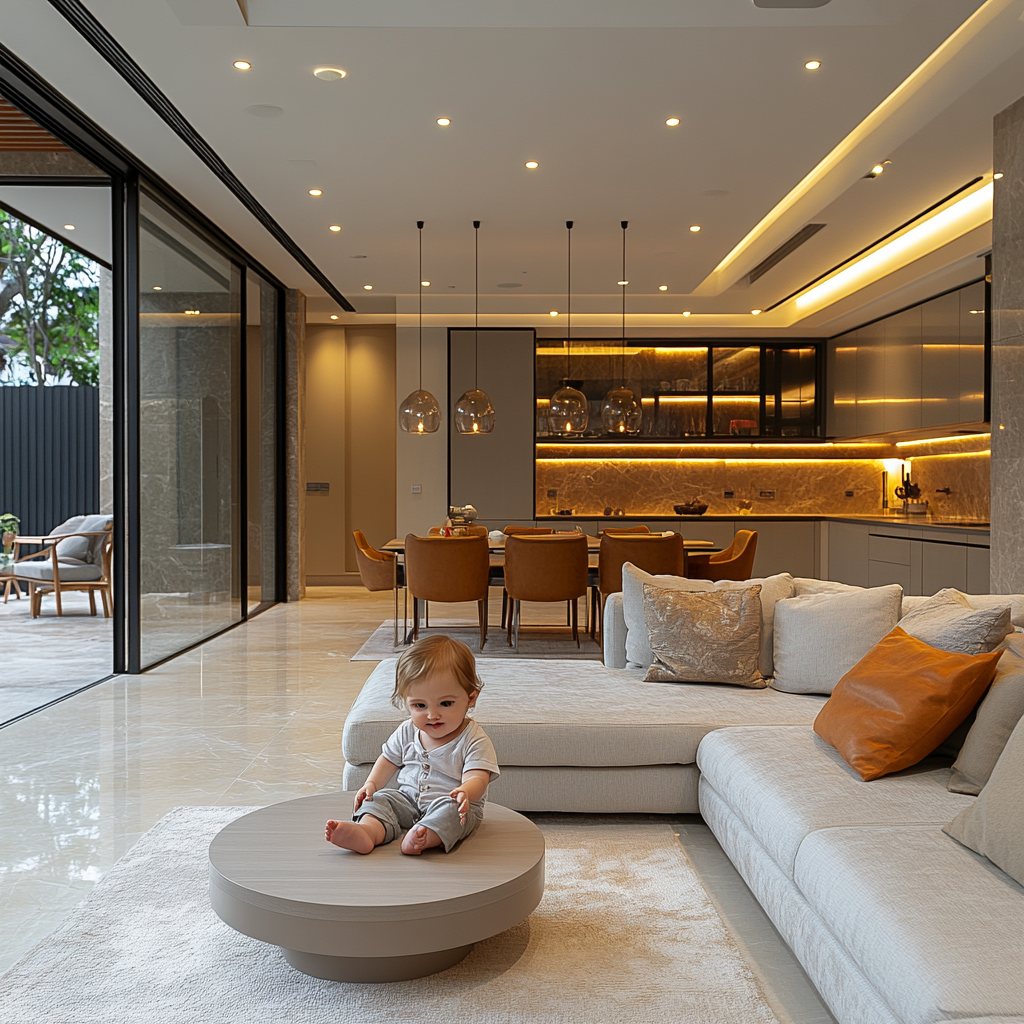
(438, 705)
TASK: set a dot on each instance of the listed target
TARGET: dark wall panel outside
(49, 454)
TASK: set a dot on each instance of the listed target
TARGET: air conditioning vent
(806, 232)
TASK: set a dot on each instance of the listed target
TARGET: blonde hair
(432, 654)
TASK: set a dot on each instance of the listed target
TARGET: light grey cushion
(70, 572)
(704, 636)
(802, 587)
(1015, 601)
(994, 825)
(95, 524)
(820, 637)
(948, 622)
(638, 649)
(998, 714)
(573, 713)
(74, 549)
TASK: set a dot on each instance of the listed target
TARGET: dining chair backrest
(627, 529)
(736, 562)
(527, 531)
(447, 568)
(546, 568)
(376, 568)
(656, 554)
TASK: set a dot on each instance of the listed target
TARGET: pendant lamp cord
(568, 304)
(625, 224)
(419, 225)
(476, 305)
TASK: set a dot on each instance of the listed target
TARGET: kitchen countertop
(894, 520)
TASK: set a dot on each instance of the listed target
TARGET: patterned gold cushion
(704, 637)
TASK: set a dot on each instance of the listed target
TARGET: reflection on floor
(251, 717)
(44, 658)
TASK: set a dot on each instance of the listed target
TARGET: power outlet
(417, 489)
(770, 495)
(553, 493)
(848, 494)
(728, 494)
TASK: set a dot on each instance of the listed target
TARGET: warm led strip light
(942, 227)
(936, 440)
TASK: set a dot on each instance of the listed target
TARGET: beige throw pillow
(997, 716)
(638, 650)
(704, 636)
(994, 824)
(948, 622)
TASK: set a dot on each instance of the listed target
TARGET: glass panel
(736, 416)
(972, 353)
(738, 369)
(940, 363)
(738, 372)
(902, 362)
(799, 405)
(188, 442)
(261, 440)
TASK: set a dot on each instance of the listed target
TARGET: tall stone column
(1007, 571)
(295, 441)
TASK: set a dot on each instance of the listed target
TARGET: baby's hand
(366, 793)
(459, 796)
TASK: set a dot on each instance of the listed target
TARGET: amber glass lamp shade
(568, 412)
(474, 413)
(419, 413)
(621, 411)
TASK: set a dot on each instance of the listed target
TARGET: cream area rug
(534, 641)
(625, 934)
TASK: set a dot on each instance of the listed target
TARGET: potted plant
(9, 526)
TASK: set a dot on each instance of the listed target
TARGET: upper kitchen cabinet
(921, 367)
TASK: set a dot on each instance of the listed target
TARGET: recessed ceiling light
(316, 191)
(532, 165)
(686, 312)
(425, 284)
(335, 228)
(877, 169)
(69, 227)
(695, 228)
(997, 175)
(672, 121)
(334, 316)
(444, 121)
(368, 287)
(329, 74)
(623, 283)
(553, 312)
(755, 312)
(976, 311)
(357, 256)
(662, 287)
(813, 65)
(158, 288)
(241, 65)
(191, 312)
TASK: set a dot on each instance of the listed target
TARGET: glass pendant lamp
(621, 411)
(420, 413)
(568, 413)
(474, 413)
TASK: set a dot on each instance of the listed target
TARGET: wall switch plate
(553, 493)
(417, 489)
(768, 494)
(728, 494)
(848, 494)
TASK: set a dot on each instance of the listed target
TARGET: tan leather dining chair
(448, 569)
(539, 568)
(654, 553)
(498, 571)
(736, 562)
(378, 570)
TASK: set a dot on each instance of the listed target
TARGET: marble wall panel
(966, 476)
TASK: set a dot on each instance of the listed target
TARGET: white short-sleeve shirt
(427, 774)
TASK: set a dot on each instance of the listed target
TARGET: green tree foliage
(49, 309)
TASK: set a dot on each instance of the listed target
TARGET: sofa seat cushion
(580, 713)
(41, 571)
(785, 783)
(938, 929)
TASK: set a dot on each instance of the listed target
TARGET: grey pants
(396, 812)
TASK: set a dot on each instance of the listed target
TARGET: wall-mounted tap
(943, 490)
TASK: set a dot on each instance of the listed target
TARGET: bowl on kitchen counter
(691, 508)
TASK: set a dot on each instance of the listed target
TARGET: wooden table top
(397, 545)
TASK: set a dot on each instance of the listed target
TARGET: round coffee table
(343, 916)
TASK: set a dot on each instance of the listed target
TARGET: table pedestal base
(369, 969)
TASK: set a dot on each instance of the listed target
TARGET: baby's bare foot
(418, 839)
(349, 835)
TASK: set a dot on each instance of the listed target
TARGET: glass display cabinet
(721, 389)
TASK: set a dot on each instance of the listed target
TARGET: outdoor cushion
(74, 549)
(784, 783)
(937, 929)
(571, 713)
(70, 572)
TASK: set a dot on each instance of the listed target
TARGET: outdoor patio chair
(76, 556)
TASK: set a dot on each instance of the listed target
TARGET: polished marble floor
(251, 717)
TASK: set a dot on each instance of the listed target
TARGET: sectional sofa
(894, 921)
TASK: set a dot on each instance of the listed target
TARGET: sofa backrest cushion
(994, 825)
(997, 716)
(948, 622)
(820, 637)
(74, 549)
(900, 701)
(1015, 601)
(638, 649)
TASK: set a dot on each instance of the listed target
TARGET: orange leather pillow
(900, 701)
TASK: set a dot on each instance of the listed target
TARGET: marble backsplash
(966, 476)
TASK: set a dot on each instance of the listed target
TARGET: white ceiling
(583, 87)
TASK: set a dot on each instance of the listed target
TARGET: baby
(445, 760)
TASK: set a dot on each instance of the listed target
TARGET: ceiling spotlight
(424, 284)
(976, 311)
(329, 74)
(191, 312)
(553, 312)
(69, 227)
(672, 121)
(686, 312)
(755, 312)
(877, 169)
(334, 316)
(444, 121)
(695, 228)
(813, 65)
(662, 287)
(316, 191)
(241, 65)
(158, 288)
(532, 165)
(335, 228)
(623, 283)
(368, 287)
(997, 175)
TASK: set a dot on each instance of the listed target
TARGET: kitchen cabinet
(848, 555)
